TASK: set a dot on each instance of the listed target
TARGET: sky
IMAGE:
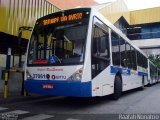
(137, 4)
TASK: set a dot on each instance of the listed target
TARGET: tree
(155, 59)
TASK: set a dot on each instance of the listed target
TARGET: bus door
(100, 48)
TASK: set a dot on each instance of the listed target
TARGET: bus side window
(103, 47)
(115, 48)
(133, 59)
(123, 52)
(128, 52)
(100, 48)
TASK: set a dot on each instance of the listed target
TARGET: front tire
(117, 88)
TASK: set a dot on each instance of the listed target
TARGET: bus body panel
(56, 87)
(57, 83)
(103, 84)
(53, 72)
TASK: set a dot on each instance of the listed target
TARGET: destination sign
(65, 18)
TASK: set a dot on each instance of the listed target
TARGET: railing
(146, 35)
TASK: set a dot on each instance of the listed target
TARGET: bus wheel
(117, 88)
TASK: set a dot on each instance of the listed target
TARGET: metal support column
(13, 60)
(8, 59)
(6, 84)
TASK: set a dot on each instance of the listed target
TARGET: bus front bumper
(60, 88)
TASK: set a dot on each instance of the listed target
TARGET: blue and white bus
(78, 52)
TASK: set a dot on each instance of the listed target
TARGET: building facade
(142, 27)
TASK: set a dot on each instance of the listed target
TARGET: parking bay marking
(38, 117)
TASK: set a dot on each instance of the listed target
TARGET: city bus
(79, 53)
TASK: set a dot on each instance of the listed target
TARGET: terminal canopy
(9, 41)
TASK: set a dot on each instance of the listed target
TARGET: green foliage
(155, 59)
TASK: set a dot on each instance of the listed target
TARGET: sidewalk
(15, 97)
(12, 97)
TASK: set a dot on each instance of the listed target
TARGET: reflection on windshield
(58, 44)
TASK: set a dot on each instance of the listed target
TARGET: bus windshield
(58, 43)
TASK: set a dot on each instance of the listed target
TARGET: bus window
(100, 48)
(58, 44)
(115, 49)
(128, 52)
(133, 59)
(33, 49)
(123, 52)
(145, 64)
(142, 60)
(139, 59)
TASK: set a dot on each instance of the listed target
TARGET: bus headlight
(77, 76)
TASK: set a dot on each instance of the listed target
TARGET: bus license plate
(47, 86)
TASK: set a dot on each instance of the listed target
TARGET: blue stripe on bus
(142, 74)
(62, 88)
(125, 71)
